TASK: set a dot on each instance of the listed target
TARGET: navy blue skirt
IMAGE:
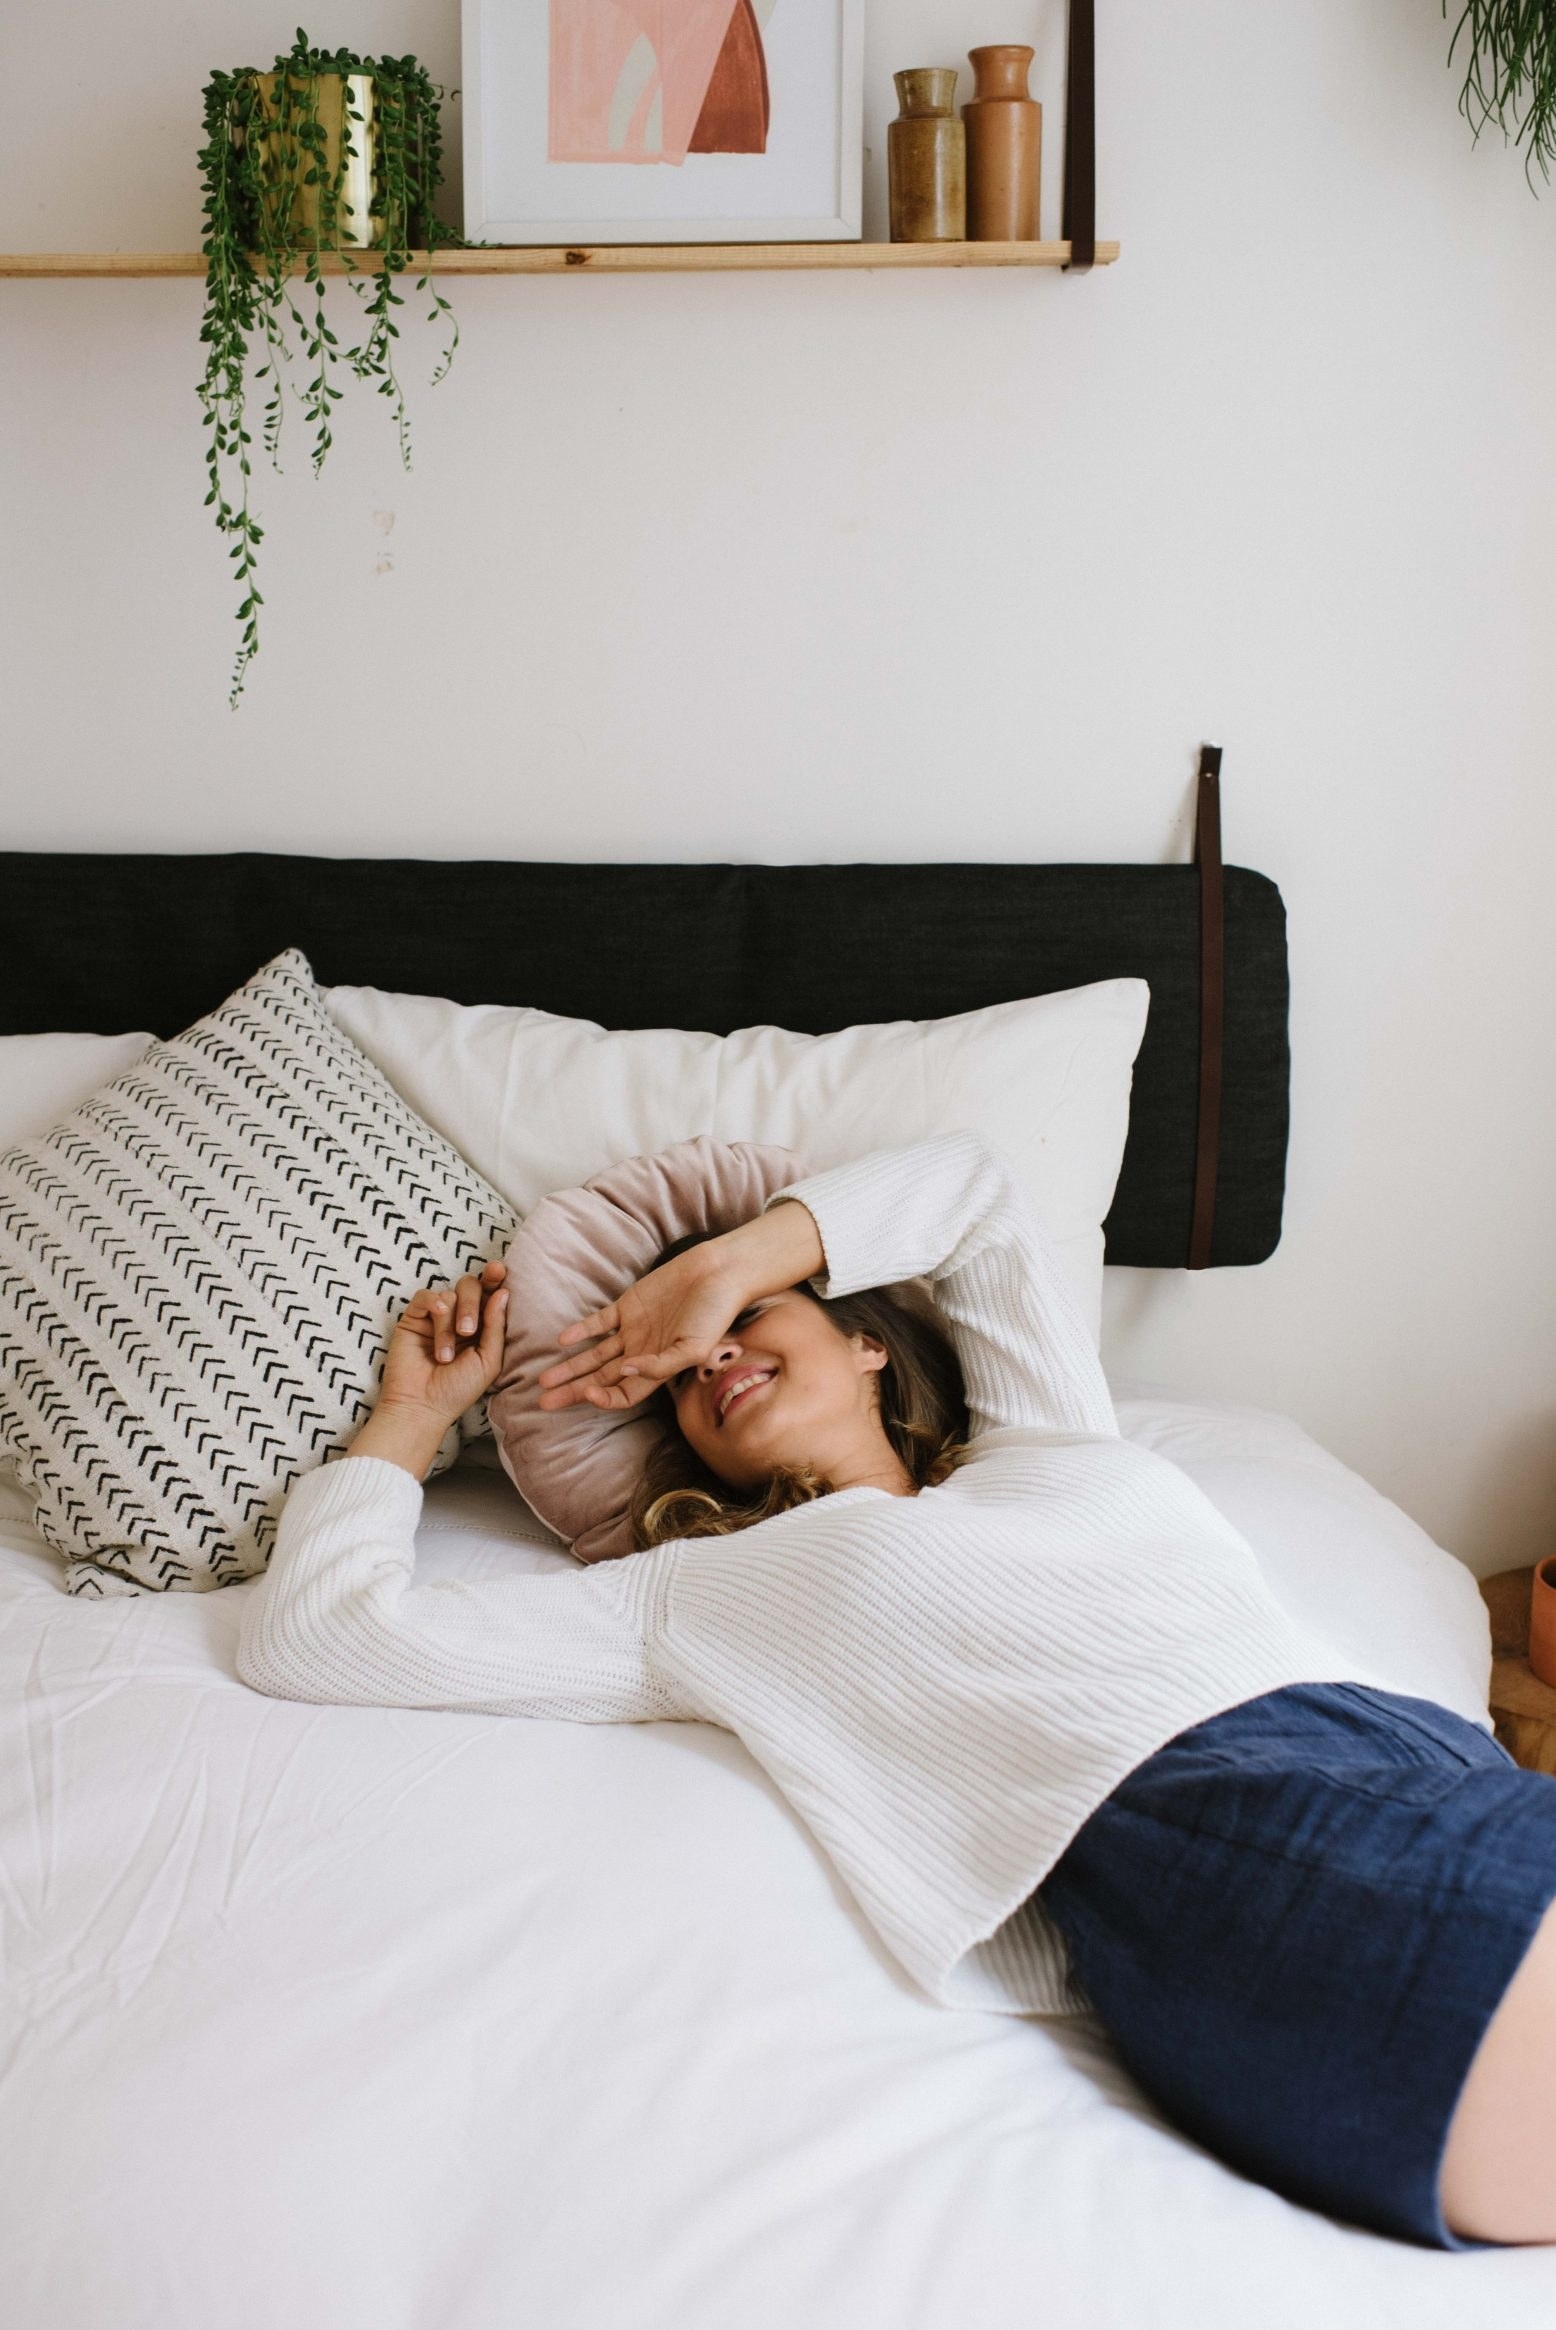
(1296, 1922)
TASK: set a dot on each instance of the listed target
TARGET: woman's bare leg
(1499, 2168)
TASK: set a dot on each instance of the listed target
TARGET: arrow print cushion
(199, 1269)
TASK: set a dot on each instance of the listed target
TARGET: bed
(443, 2022)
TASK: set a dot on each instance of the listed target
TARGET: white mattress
(371, 2020)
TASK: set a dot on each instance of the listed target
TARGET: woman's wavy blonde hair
(923, 1410)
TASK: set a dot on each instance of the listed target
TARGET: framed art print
(663, 121)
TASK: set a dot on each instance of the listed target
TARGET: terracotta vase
(1542, 1620)
(1004, 148)
(926, 160)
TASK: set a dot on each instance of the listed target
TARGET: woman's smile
(740, 1386)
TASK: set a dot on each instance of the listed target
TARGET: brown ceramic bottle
(1004, 148)
(926, 160)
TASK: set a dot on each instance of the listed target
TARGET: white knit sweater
(943, 1686)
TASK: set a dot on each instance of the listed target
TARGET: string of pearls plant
(1510, 72)
(328, 152)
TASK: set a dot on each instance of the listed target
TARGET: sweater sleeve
(337, 1619)
(949, 1210)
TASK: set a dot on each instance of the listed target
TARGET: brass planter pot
(343, 105)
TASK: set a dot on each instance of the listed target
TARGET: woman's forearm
(779, 1249)
(340, 1620)
(402, 1432)
(949, 1210)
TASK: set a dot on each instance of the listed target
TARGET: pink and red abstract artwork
(656, 80)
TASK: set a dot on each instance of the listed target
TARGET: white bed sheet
(372, 2020)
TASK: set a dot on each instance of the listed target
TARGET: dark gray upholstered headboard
(110, 943)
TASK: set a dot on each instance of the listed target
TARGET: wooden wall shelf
(598, 259)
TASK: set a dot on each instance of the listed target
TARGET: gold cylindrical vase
(343, 105)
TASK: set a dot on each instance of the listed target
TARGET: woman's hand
(443, 1354)
(669, 1320)
(674, 1317)
(448, 1345)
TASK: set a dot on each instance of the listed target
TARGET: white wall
(917, 566)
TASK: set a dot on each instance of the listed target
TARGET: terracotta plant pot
(1542, 1621)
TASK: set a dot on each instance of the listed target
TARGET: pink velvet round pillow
(577, 1467)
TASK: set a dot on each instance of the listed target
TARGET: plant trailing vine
(1510, 72)
(277, 174)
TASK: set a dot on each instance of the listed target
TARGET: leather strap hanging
(1080, 139)
(1212, 1000)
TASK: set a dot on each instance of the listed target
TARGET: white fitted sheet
(382, 2020)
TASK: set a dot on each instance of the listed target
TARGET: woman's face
(783, 1389)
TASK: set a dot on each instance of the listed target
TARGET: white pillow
(538, 1103)
(42, 1078)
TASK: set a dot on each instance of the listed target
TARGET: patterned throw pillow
(198, 1273)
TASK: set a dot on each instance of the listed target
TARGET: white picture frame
(527, 95)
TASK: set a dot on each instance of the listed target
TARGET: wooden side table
(1523, 1709)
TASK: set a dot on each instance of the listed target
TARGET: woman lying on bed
(1023, 1683)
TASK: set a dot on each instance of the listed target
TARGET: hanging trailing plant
(327, 153)
(1510, 73)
